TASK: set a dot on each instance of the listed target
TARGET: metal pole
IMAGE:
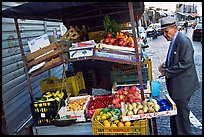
(24, 60)
(136, 48)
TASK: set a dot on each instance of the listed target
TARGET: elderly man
(180, 73)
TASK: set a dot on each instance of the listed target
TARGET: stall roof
(75, 13)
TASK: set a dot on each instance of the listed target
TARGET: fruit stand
(99, 119)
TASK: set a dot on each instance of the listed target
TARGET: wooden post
(136, 48)
(24, 60)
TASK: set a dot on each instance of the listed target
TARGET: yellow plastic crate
(50, 84)
(140, 128)
(75, 83)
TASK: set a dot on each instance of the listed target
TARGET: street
(157, 52)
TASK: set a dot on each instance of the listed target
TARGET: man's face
(169, 33)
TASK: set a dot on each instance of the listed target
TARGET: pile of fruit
(76, 105)
(114, 36)
(52, 96)
(136, 108)
(126, 95)
(120, 39)
(100, 102)
(112, 117)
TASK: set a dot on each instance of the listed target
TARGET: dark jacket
(181, 76)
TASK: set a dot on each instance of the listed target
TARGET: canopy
(75, 13)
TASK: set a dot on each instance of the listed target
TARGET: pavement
(157, 52)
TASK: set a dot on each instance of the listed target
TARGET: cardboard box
(78, 52)
(80, 115)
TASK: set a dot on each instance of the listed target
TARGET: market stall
(86, 111)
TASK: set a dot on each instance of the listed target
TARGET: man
(180, 73)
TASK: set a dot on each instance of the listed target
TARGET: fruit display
(136, 108)
(148, 108)
(127, 95)
(76, 105)
(111, 117)
(123, 39)
(114, 36)
(98, 102)
(52, 96)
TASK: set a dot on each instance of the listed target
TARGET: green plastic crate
(124, 77)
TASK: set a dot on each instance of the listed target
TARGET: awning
(75, 13)
(193, 15)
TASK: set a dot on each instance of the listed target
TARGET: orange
(101, 113)
(103, 117)
(105, 121)
(128, 124)
(116, 121)
(107, 124)
(120, 124)
(113, 125)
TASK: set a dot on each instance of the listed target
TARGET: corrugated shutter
(15, 92)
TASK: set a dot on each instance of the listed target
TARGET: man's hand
(161, 69)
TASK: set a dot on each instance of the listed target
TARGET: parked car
(197, 32)
(150, 30)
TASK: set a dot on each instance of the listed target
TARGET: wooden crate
(53, 55)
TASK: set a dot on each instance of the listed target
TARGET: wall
(15, 92)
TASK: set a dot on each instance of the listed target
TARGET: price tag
(42, 115)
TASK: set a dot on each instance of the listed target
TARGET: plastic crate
(50, 84)
(43, 112)
(140, 128)
(75, 83)
(129, 77)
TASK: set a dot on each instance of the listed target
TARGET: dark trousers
(180, 123)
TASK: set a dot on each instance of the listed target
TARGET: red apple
(117, 105)
(109, 35)
(120, 43)
(107, 40)
(126, 92)
(131, 100)
(126, 88)
(121, 97)
(134, 88)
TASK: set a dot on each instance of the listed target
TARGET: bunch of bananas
(52, 96)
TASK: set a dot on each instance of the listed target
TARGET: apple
(114, 101)
(117, 105)
(121, 97)
(126, 92)
(112, 40)
(107, 40)
(120, 91)
(131, 100)
(109, 35)
(126, 88)
(134, 88)
(120, 43)
(130, 95)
